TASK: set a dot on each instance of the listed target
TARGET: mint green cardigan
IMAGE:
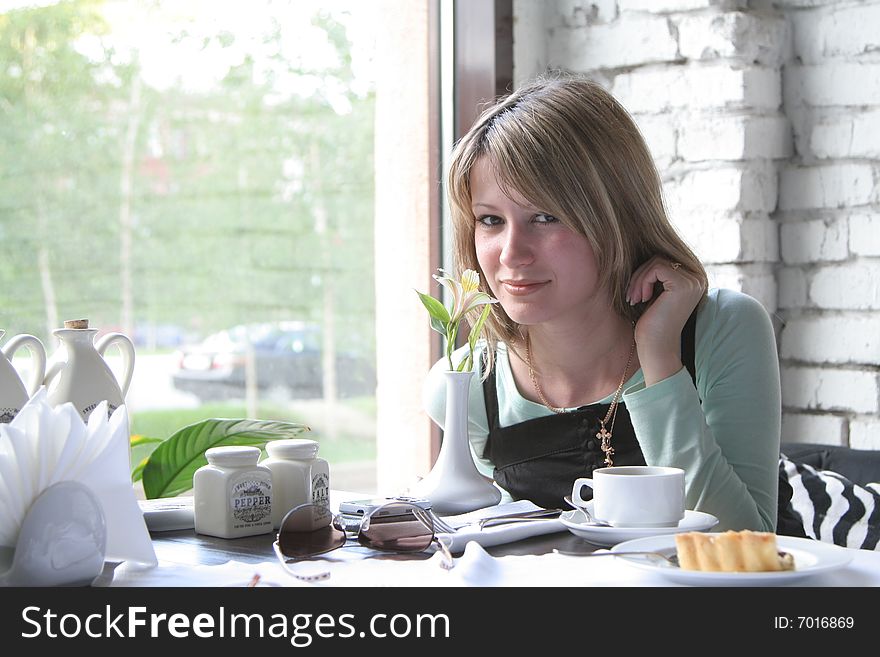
(728, 445)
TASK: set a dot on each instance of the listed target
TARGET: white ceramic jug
(13, 393)
(79, 374)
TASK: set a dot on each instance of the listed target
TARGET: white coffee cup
(634, 495)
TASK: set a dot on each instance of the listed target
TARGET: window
(200, 176)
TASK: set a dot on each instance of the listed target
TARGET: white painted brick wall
(729, 237)
(661, 134)
(846, 32)
(825, 389)
(792, 283)
(669, 6)
(807, 3)
(834, 84)
(626, 42)
(812, 428)
(836, 339)
(815, 240)
(780, 196)
(756, 280)
(698, 87)
(529, 37)
(850, 286)
(734, 36)
(723, 188)
(736, 137)
(574, 13)
(848, 135)
(864, 234)
(864, 433)
(829, 186)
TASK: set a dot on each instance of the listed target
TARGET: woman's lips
(522, 288)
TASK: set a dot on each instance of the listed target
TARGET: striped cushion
(832, 508)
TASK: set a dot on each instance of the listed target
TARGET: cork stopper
(76, 323)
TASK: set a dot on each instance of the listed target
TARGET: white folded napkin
(44, 445)
(468, 526)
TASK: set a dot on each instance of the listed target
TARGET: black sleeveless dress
(538, 459)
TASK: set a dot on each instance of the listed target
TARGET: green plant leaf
(438, 326)
(138, 471)
(170, 468)
(451, 335)
(141, 448)
(435, 309)
(137, 441)
(478, 327)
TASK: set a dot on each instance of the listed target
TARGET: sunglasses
(310, 530)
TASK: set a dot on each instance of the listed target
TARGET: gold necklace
(604, 434)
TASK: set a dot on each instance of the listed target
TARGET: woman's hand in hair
(671, 294)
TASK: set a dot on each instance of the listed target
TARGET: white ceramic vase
(454, 484)
(79, 375)
(13, 393)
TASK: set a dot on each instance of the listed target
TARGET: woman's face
(538, 268)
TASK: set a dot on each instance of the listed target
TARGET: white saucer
(575, 522)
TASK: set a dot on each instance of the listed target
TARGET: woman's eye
(489, 220)
(543, 218)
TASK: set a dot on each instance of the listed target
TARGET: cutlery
(671, 562)
(591, 521)
(537, 514)
(439, 524)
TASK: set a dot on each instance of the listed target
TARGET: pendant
(605, 444)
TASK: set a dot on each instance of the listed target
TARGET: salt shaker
(299, 476)
(233, 494)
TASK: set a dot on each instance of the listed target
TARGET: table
(189, 559)
(188, 548)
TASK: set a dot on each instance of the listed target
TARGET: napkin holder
(47, 453)
(62, 540)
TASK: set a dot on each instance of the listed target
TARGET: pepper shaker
(233, 494)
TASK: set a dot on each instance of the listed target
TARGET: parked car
(287, 356)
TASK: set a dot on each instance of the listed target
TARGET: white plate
(810, 558)
(693, 521)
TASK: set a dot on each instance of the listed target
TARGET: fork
(440, 524)
(671, 562)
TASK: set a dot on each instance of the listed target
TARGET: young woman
(606, 347)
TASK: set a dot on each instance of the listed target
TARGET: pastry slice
(737, 552)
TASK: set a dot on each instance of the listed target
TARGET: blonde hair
(568, 147)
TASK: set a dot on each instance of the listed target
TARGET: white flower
(466, 297)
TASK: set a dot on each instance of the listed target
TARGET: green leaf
(171, 466)
(438, 326)
(138, 471)
(137, 441)
(478, 327)
(141, 449)
(435, 309)
(451, 335)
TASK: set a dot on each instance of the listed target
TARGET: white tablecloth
(475, 567)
